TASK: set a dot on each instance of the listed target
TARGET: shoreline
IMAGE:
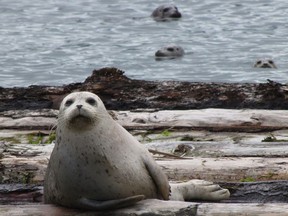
(119, 92)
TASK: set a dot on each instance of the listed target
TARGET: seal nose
(177, 14)
(266, 65)
(79, 106)
(159, 54)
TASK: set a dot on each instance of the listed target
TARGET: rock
(119, 92)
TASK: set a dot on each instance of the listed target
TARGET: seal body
(97, 165)
(170, 51)
(95, 160)
(166, 12)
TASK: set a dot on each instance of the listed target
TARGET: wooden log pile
(190, 128)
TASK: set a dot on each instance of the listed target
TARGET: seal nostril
(79, 106)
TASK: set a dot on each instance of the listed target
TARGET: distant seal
(97, 165)
(265, 63)
(171, 51)
(166, 12)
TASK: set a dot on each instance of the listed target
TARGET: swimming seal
(265, 63)
(97, 165)
(170, 51)
(166, 12)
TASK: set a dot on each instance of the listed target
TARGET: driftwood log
(157, 208)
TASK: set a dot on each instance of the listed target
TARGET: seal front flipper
(90, 204)
(159, 178)
(198, 190)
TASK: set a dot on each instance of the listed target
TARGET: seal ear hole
(91, 101)
(69, 102)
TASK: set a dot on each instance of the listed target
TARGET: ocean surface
(55, 42)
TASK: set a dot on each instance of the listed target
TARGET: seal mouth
(80, 122)
(160, 54)
(80, 118)
(266, 65)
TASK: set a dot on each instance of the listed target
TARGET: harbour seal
(166, 12)
(170, 51)
(265, 63)
(97, 165)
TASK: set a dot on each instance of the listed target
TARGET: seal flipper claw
(90, 204)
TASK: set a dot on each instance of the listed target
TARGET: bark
(258, 192)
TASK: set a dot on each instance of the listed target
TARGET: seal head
(170, 51)
(265, 63)
(76, 116)
(166, 12)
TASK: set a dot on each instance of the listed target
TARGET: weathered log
(143, 208)
(156, 208)
(241, 192)
(207, 119)
(249, 146)
(257, 192)
(118, 92)
(27, 164)
(226, 169)
(204, 119)
(20, 193)
(252, 209)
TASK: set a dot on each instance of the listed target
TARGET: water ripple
(53, 43)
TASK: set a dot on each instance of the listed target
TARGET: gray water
(58, 42)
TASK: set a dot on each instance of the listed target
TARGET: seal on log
(97, 165)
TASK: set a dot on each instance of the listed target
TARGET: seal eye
(271, 62)
(170, 49)
(91, 101)
(258, 62)
(166, 10)
(69, 102)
